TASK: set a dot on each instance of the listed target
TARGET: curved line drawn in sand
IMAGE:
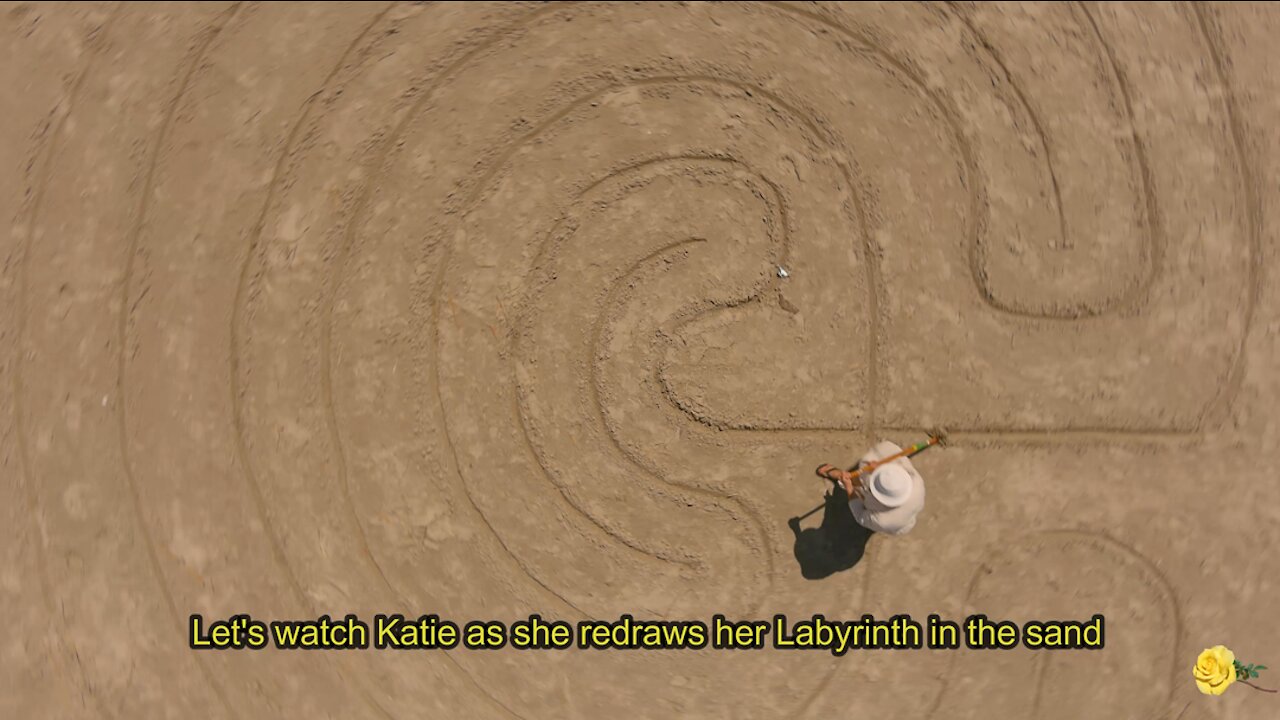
(524, 336)
(977, 219)
(614, 298)
(254, 247)
(522, 410)
(252, 256)
(43, 160)
(360, 209)
(1137, 290)
(1220, 407)
(382, 157)
(1003, 433)
(1153, 221)
(817, 128)
(328, 89)
(1064, 241)
(485, 179)
(1016, 434)
(1136, 564)
(186, 75)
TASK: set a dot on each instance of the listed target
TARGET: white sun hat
(891, 485)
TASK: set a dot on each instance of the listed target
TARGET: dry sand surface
(474, 309)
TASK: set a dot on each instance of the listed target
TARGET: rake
(825, 470)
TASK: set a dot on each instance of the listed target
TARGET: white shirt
(873, 515)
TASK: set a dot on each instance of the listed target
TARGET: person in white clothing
(887, 500)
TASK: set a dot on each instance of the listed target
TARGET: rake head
(939, 433)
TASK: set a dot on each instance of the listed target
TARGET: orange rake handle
(908, 452)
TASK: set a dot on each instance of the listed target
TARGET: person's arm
(852, 486)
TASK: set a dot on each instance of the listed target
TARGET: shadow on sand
(835, 545)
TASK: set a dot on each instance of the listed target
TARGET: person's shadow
(835, 545)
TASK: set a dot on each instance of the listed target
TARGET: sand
(486, 310)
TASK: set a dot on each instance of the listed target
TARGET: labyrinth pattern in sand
(475, 309)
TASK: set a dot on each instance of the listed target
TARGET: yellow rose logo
(1215, 670)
